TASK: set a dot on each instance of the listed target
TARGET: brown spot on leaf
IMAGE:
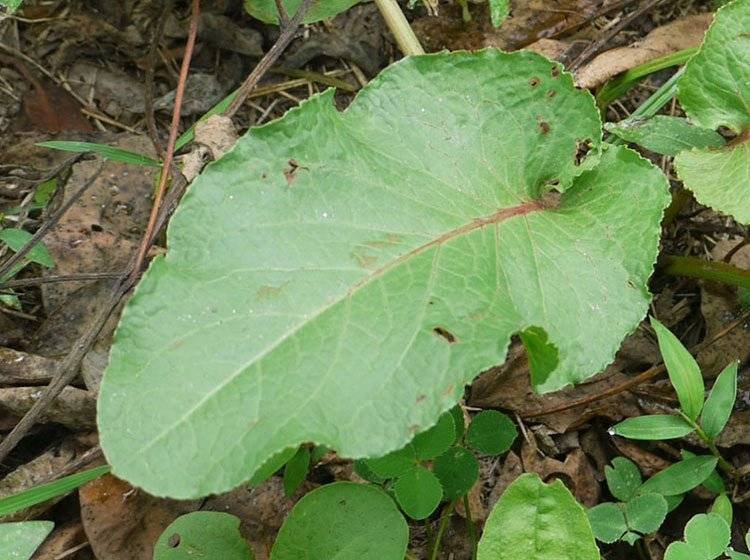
(174, 541)
(290, 173)
(365, 261)
(551, 93)
(421, 398)
(533, 82)
(555, 72)
(445, 334)
(582, 149)
(390, 239)
(269, 292)
(543, 127)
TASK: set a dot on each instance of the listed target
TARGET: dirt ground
(78, 70)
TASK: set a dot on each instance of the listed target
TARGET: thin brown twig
(647, 375)
(47, 225)
(83, 277)
(287, 34)
(169, 155)
(597, 45)
(148, 93)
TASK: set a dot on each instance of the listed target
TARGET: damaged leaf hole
(583, 147)
(445, 334)
(555, 72)
(174, 541)
(544, 126)
(290, 173)
(534, 82)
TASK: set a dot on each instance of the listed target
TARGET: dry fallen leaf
(681, 34)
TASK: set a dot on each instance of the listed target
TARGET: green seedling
(706, 538)
(107, 152)
(705, 416)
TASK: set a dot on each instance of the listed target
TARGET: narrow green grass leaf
(665, 135)
(44, 492)
(680, 477)
(720, 402)
(267, 12)
(107, 152)
(295, 471)
(343, 520)
(683, 370)
(654, 427)
(537, 521)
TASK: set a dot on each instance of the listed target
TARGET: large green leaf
(715, 92)
(537, 521)
(339, 277)
(266, 11)
(343, 520)
(19, 541)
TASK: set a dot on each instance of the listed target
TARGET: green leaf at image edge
(491, 432)
(19, 541)
(713, 92)
(283, 346)
(665, 135)
(203, 534)
(706, 537)
(343, 520)
(537, 521)
(683, 370)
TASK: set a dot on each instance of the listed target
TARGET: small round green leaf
(722, 507)
(19, 541)
(491, 432)
(653, 427)
(343, 520)
(394, 464)
(706, 537)
(203, 534)
(720, 402)
(607, 522)
(646, 513)
(537, 521)
(457, 470)
(418, 492)
(680, 477)
(431, 443)
(623, 478)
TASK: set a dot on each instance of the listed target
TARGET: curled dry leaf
(682, 34)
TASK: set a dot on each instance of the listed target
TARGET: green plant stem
(715, 271)
(470, 525)
(724, 465)
(397, 24)
(444, 518)
(620, 85)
